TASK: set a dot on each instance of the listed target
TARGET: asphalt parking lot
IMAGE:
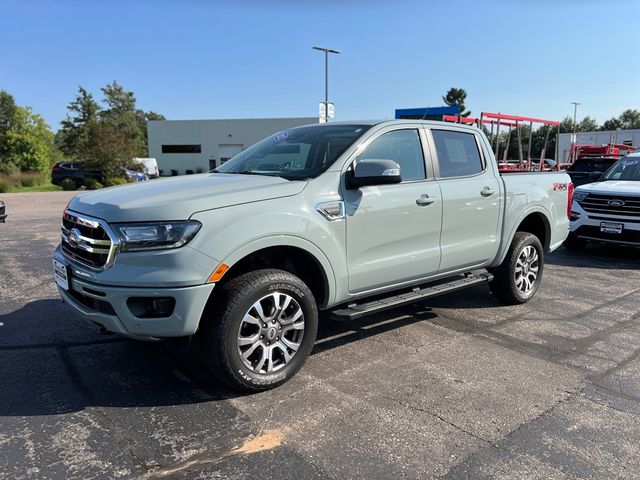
(460, 387)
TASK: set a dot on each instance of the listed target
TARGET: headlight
(579, 196)
(155, 236)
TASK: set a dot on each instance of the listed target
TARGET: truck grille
(611, 205)
(86, 241)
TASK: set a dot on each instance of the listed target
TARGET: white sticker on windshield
(280, 137)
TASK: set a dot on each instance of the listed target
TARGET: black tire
(224, 322)
(504, 285)
(574, 243)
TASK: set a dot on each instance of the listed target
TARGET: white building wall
(598, 138)
(217, 138)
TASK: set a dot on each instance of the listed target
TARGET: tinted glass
(627, 169)
(181, 148)
(458, 154)
(404, 148)
(296, 154)
(591, 165)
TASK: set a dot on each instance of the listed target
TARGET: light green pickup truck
(349, 218)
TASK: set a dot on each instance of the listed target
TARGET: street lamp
(575, 126)
(326, 51)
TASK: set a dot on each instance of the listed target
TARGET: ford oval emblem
(73, 237)
(616, 203)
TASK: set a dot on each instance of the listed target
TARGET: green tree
(108, 150)
(121, 113)
(587, 124)
(74, 131)
(456, 97)
(26, 141)
(629, 119)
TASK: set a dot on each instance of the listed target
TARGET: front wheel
(518, 278)
(261, 329)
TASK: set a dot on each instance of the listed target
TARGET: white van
(150, 166)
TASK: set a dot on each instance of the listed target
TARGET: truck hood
(613, 187)
(180, 197)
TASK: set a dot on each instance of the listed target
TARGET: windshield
(295, 154)
(628, 169)
(591, 165)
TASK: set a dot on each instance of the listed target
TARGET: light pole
(326, 51)
(575, 126)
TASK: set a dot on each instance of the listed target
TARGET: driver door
(393, 231)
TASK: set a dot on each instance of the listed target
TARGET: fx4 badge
(560, 186)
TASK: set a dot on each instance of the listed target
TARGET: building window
(181, 148)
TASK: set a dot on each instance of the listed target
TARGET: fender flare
(504, 248)
(288, 241)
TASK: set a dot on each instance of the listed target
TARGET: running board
(355, 311)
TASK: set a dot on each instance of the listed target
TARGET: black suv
(589, 169)
(73, 171)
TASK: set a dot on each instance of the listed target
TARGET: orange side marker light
(217, 275)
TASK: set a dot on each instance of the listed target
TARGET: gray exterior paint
(216, 137)
(385, 240)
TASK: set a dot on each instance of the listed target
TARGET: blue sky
(236, 59)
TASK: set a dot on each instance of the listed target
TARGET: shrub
(189, 172)
(92, 184)
(199, 170)
(68, 184)
(31, 179)
(174, 173)
(6, 185)
(115, 181)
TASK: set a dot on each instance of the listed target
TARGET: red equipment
(498, 120)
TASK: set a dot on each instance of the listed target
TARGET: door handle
(425, 200)
(487, 192)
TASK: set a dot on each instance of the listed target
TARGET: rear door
(471, 199)
(393, 231)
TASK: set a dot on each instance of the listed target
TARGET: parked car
(608, 210)
(134, 176)
(587, 169)
(150, 166)
(3, 215)
(351, 218)
(76, 172)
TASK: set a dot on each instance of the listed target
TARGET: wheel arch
(293, 254)
(534, 221)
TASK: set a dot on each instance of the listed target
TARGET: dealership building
(192, 146)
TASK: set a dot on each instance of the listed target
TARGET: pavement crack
(125, 442)
(439, 417)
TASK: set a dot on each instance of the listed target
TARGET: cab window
(458, 154)
(404, 148)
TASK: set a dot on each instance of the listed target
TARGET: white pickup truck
(351, 218)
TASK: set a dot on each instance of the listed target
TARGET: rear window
(591, 165)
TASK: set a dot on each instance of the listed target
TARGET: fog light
(151, 307)
(574, 216)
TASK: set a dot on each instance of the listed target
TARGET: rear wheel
(518, 278)
(261, 329)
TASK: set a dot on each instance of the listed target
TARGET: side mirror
(373, 171)
(595, 175)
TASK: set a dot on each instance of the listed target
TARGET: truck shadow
(596, 255)
(58, 370)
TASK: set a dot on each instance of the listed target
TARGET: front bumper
(587, 227)
(108, 307)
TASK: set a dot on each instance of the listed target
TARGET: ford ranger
(349, 218)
